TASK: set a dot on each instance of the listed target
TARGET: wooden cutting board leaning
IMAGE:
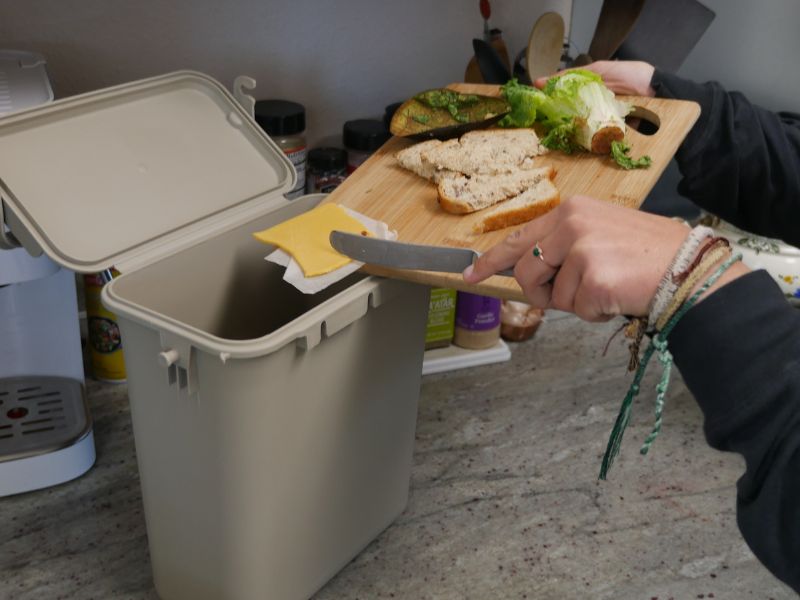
(407, 203)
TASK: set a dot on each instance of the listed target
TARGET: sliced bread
(460, 194)
(490, 151)
(411, 158)
(538, 199)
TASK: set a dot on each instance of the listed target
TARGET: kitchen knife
(398, 255)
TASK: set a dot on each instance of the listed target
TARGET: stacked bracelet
(709, 255)
(677, 293)
(668, 286)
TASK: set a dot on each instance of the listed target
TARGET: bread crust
(518, 216)
(456, 207)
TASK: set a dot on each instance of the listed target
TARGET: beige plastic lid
(129, 174)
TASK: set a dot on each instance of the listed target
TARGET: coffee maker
(45, 426)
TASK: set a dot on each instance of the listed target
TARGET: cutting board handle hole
(643, 120)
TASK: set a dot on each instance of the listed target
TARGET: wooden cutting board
(383, 190)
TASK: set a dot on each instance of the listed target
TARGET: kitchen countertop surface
(505, 501)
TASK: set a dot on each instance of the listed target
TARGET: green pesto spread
(445, 98)
(450, 100)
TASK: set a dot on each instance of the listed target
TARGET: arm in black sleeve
(740, 162)
(739, 353)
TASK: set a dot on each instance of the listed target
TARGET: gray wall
(343, 60)
(751, 47)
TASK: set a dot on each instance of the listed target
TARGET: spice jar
(362, 137)
(327, 168)
(285, 122)
(441, 318)
(477, 321)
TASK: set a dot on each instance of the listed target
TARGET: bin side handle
(385, 290)
(346, 314)
(349, 311)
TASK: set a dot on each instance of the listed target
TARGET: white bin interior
(284, 465)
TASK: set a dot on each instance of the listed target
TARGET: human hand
(620, 76)
(598, 260)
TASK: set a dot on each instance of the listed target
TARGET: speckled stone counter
(504, 502)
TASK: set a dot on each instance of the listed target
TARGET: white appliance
(45, 426)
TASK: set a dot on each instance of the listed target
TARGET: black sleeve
(739, 353)
(740, 162)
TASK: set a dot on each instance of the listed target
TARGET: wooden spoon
(545, 45)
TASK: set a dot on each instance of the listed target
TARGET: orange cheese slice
(305, 237)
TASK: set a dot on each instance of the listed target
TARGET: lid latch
(7, 239)
(16, 236)
(178, 358)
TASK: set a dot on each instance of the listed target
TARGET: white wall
(343, 60)
(750, 46)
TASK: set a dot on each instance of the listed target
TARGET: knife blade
(400, 255)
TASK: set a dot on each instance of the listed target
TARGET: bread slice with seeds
(411, 158)
(489, 151)
(460, 194)
(535, 201)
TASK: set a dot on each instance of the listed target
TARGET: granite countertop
(505, 501)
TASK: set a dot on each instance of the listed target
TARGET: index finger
(506, 254)
(592, 66)
(540, 82)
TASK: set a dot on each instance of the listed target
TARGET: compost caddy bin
(273, 430)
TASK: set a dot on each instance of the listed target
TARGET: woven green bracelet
(658, 343)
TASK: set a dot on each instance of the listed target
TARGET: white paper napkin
(312, 285)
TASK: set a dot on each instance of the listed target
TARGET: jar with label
(441, 318)
(327, 168)
(477, 321)
(104, 340)
(285, 122)
(362, 137)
